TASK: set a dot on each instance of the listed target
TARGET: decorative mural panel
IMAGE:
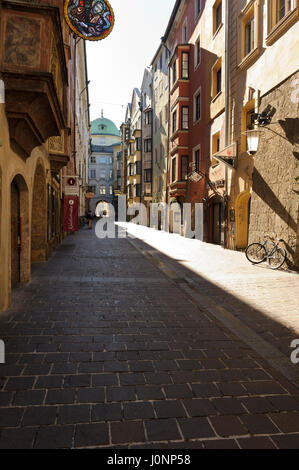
(90, 19)
(22, 41)
(56, 144)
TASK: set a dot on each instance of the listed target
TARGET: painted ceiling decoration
(92, 20)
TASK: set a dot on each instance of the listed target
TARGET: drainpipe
(168, 145)
(227, 12)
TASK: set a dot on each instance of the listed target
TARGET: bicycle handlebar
(272, 238)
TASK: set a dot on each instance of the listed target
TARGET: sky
(116, 64)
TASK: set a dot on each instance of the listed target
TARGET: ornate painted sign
(90, 19)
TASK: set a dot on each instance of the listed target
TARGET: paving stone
(199, 407)
(10, 417)
(258, 404)
(101, 380)
(253, 443)
(220, 444)
(107, 412)
(121, 394)
(90, 367)
(74, 381)
(39, 416)
(49, 382)
(286, 422)
(29, 397)
(60, 397)
(162, 430)
(227, 426)
(264, 388)
(228, 406)
(178, 391)
(54, 437)
(127, 432)
(259, 424)
(150, 392)
(91, 395)
(73, 414)
(140, 410)
(20, 383)
(196, 428)
(18, 439)
(205, 390)
(132, 379)
(91, 435)
(290, 441)
(5, 398)
(169, 409)
(161, 378)
(232, 389)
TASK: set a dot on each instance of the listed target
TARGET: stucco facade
(37, 103)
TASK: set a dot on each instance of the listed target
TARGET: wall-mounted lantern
(258, 121)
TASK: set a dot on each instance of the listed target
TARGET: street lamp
(258, 121)
(253, 137)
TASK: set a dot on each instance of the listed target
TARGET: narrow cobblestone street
(121, 356)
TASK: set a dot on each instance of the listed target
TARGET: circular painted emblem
(71, 202)
(71, 181)
(90, 19)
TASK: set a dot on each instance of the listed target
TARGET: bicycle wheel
(277, 259)
(256, 253)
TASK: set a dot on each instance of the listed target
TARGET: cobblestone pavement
(105, 350)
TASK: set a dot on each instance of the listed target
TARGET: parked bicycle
(257, 253)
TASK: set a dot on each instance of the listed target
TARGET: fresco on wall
(22, 41)
(90, 19)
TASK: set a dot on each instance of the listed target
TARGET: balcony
(33, 68)
(178, 188)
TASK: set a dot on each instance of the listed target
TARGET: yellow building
(36, 135)
(263, 77)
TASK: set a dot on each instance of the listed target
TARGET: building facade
(105, 140)
(37, 137)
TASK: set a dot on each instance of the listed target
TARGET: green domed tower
(105, 136)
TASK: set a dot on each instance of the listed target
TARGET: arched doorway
(103, 209)
(242, 219)
(39, 216)
(20, 253)
(216, 217)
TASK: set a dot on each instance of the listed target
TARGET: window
(102, 189)
(147, 176)
(93, 189)
(93, 174)
(283, 12)
(138, 168)
(217, 78)
(138, 190)
(160, 119)
(197, 8)
(215, 147)
(174, 75)
(93, 160)
(217, 16)
(197, 106)
(283, 7)
(166, 113)
(148, 145)
(174, 122)
(173, 170)
(185, 117)
(197, 52)
(148, 117)
(184, 167)
(138, 144)
(185, 32)
(111, 174)
(249, 36)
(197, 159)
(185, 65)
(103, 175)
(103, 160)
(111, 190)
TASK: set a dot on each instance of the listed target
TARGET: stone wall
(275, 198)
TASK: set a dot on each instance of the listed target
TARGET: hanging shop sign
(92, 20)
(228, 156)
(71, 213)
(90, 195)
